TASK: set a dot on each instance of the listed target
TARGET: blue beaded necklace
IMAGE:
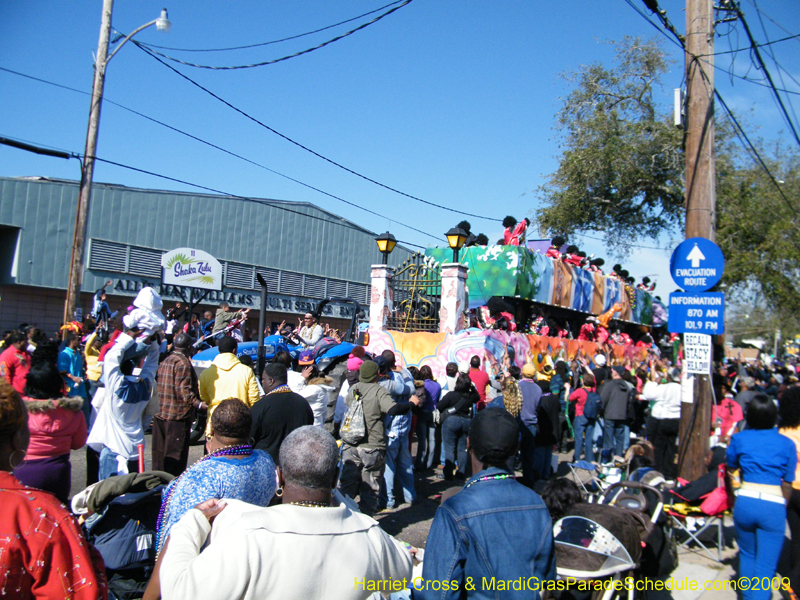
(238, 450)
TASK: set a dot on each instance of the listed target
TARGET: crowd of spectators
(276, 490)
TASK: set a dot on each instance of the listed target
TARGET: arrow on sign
(695, 256)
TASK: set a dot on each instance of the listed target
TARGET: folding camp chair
(684, 516)
(585, 475)
(593, 478)
(681, 522)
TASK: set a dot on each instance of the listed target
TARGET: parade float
(495, 300)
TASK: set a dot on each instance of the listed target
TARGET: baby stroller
(588, 552)
(121, 523)
(646, 504)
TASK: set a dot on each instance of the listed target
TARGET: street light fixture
(386, 243)
(87, 172)
(456, 238)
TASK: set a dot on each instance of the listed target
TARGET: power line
(678, 43)
(652, 5)
(766, 73)
(248, 198)
(631, 245)
(769, 43)
(21, 145)
(737, 127)
(740, 133)
(780, 69)
(223, 194)
(307, 149)
(283, 58)
(286, 39)
(216, 147)
(781, 27)
(755, 81)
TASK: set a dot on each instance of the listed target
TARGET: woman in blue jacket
(766, 459)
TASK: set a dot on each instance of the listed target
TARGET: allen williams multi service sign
(192, 268)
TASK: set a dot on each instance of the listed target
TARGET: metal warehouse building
(304, 253)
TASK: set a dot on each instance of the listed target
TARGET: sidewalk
(696, 565)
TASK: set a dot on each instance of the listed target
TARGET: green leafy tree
(621, 171)
(621, 174)
(757, 228)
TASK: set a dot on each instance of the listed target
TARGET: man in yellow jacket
(227, 378)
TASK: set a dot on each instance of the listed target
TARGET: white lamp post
(87, 173)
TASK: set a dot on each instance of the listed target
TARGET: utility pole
(87, 173)
(701, 201)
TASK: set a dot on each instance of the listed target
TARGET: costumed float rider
(514, 233)
(554, 251)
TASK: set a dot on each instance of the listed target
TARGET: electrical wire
(763, 66)
(630, 245)
(633, 5)
(250, 199)
(756, 82)
(771, 53)
(776, 23)
(224, 195)
(764, 45)
(38, 148)
(283, 58)
(307, 149)
(216, 147)
(740, 133)
(286, 39)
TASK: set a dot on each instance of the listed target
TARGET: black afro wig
(509, 221)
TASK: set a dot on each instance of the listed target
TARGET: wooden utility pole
(87, 173)
(701, 202)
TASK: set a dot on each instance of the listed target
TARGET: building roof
(294, 237)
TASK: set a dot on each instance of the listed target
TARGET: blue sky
(450, 101)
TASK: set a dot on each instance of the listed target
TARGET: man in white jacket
(117, 431)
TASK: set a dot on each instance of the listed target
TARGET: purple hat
(306, 358)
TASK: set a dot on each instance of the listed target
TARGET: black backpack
(592, 406)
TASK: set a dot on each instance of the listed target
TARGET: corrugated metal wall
(261, 233)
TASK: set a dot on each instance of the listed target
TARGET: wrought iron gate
(417, 291)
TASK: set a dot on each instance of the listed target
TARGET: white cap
(600, 360)
(463, 366)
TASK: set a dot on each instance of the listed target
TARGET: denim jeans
(426, 440)
(583, 426)
(613, 439)
(110, 464)
(398, 462)
(454, 440)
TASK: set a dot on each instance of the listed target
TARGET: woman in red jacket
(583, 425)
(56, 426)
(44, 553)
